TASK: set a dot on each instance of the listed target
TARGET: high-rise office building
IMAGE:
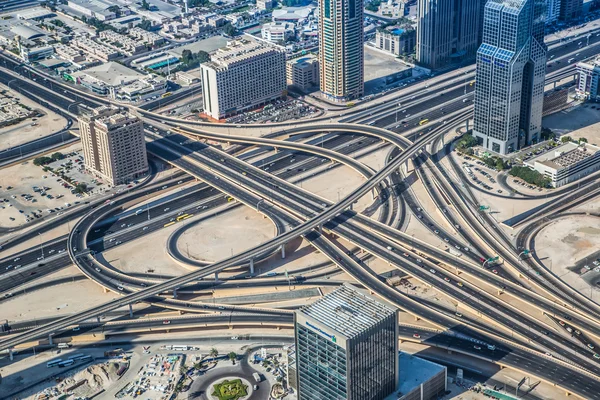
(113, 144)
(552, 11)
(511, 69)
(243, 75)
(346, 347)
(341, 52)
(448, 31)
(570, 9)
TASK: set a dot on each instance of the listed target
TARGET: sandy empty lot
(579, 121)
(14, 135)
(564, 242)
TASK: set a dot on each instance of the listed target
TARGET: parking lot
(28, 193)
(277, 111)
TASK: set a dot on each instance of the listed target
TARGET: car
(76, 329)
(495, 271)
(40, 258)
(405, 254)
(416, 336)
(460, 284)
(390, 248)
(120, 288)
(145, 228)
(432, 270)
(234, 338)
(446, 240)
(97, 269)
(561, 323)
(591, 346)
(419, 260)
(548, 354)
(459, 315)
(166, 322)
(437, 232)
(17, 259)
(166, 209)
(447, 279)
(597, 356)
(477, 347)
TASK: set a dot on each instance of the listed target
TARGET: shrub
(530, 176)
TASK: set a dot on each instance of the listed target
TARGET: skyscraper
(341, 52)
(346, 347)
(114, 147)
(511, 69)
(448, 31)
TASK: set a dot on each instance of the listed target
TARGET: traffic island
(231, 389)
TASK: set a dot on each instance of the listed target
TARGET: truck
(256, 377)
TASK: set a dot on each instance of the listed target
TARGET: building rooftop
(413, 372)
(565, 155)
(111, 74)
(347, 311)
(238, 51)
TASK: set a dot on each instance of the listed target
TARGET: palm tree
(232, 356)
(213, 352)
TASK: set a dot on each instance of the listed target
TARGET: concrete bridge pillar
(50, 342)
(130, 311)
(98, 318)
(216, 276)
(283, 250)
(321, 228)
(174, 293)
(428, 147)
(252, 266)
(10, 354)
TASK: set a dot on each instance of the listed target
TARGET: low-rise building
(396, 40)
(303, 72)
(186, 78)
(29, 54)
(120, 82)
(150, 38)
(241, 76)
(277, 31)
(123, 43)
(69, 53)
(567, 163)
(589, 79)
(98, 9)
(392, 9)
(264, 5)
(95, 49)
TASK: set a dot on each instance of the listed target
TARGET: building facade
(303, 72)
(589, 79)
(567, 163)
(241, 76)
(396, 41)
(113, 144)
(346, 347)
(341, 51)
(570, 9)
(511, 70)
(448, 31)
(553, 11)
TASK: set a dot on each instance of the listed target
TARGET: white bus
(468, 170)
(85, 358)
(75, 357)
(66, 363)
(52, 363)
(178, 347)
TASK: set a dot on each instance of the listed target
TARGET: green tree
(57, 156)
(81, 188)
(145, 25)
(566, 139)
(232, 356)
(41, 161)
(583, 140)
(500, 164)
(213, 352)
(228, 29)
(530, 176)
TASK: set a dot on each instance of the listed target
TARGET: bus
(52, 363)
(186, 216)
(468, 170)
(182, 217)
(179, 347)
(75, 357)
(66, 363)
(166, 94)
(229, 198)
(169, 224)
(570, 60)
(423, 121)
(472, 83)
(85, 358)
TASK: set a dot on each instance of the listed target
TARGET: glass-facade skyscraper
(448, 31)
(511, 70)
(341, 52)
(346, 347)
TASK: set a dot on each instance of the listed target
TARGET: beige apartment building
(113, 144)
(241, 76)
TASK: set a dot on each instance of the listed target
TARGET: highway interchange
(267, 186)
